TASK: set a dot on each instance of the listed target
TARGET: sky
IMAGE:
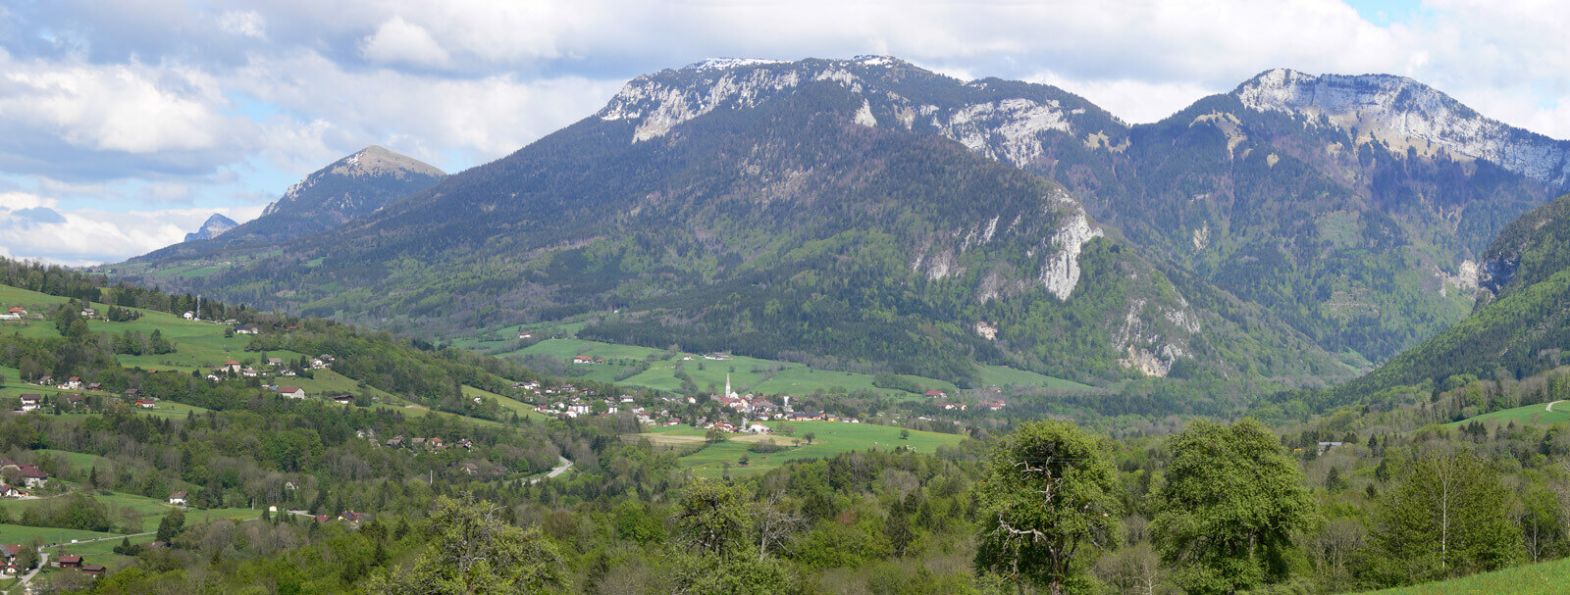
(123, 125)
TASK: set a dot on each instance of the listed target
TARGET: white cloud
(34, 227)
(399, 41)
(148, 91)
(426, 116)
(131, 108)
(245, 23)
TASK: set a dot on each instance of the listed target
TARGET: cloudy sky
(124, 124)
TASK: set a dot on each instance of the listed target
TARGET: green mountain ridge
(795, 226)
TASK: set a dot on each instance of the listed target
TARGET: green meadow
(622, 365)
(1528, 414)
(829, 439)
(1545, 578)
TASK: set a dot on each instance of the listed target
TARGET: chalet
(233, 366)
(132, 393)
(582, 359)
(275, 361)
(69, 561)
(318, 364)
(936, 394)
(89, 313)
(177, 499)
(93, 569)
(46, 380)
(94, 386)
(395, 442)
(436, 442)
(31, 402)
(417, 441)
(993, 405)
(248, 372)
(17, 310)
(246, 329)
(525, 335)
(291, 392)
(147, 403)
(72, 383)
(350, 516)
(345, 399)
(32, 476)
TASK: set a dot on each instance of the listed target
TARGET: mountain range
(874, 214)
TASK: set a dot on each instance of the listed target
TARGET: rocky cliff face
(215, 226)
(1405, 114)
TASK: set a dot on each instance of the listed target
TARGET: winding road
(1550, 406)
(562, 466)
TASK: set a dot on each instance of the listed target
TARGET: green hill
(1546, 578)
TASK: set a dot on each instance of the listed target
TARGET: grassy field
(47, 535)
(1529, 414)
(152, 509)
(1546, 578)
(522, 409)
(830, 438)
(199, 344)
(747, 374)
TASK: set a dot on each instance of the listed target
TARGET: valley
(841, 325)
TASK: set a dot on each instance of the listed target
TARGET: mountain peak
(1407, 115)
(378, 160)
(215, 226)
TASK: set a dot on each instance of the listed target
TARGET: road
(559, 469)
(110, 538)
(43, 562)
(1550, 406)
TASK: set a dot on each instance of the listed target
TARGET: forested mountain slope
(1356, 208)
(1522, 327)
(845, 208)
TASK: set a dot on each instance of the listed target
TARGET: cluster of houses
(275, 366)
(11, 551)
(80, 564)
(29, 403)
(433, 443)
(28, 476)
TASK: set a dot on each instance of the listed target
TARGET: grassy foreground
(1544, 578)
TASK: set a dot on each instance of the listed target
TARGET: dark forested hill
(865, 209)
(1521, 327)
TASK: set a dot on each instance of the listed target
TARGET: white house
(31, 402)
(177, 499)
(189, 315)
(291, 392)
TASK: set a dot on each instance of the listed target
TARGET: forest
(1410, 484)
